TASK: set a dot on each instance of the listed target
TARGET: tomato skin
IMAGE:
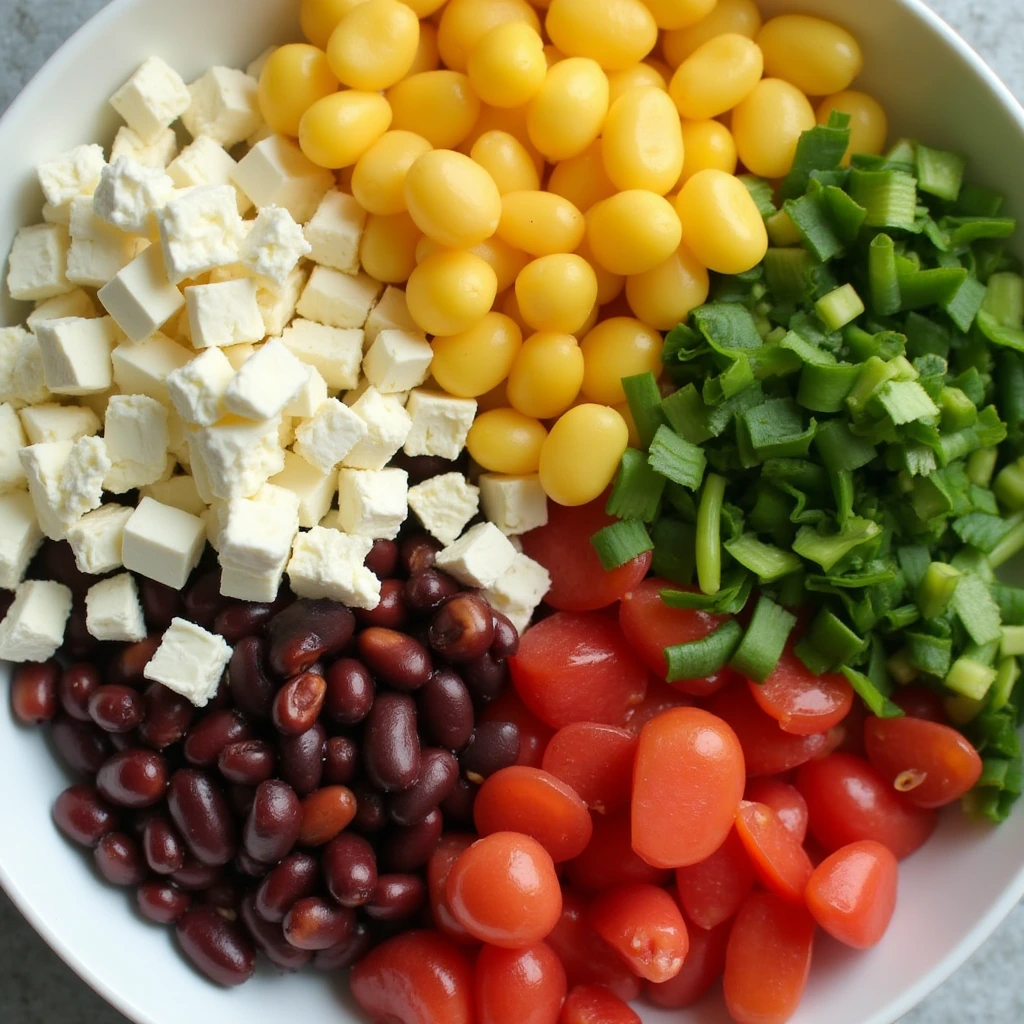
(702, 967)
(801, 702)
(594, 1004)
(767, 750)
(644, 925)
(596, 761)
(780, 862)
(785, 800)
(847, 801)
(518, 986)
(418, 977)
(579, 583)
(609, 858)
(650, 626)
(687, 783)
(713, 890)
(577, 667)
(439, 867)
(535, 803)
(852, 893)
(533, 733)
(659, 697)
(950, 766)
(767, 960)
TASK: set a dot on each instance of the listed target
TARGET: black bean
(495, 745)
(391, 747)
(439, 771)
(350, 692)
(302, 759)
(350, 870)
(445, 710)
(428, 589)
(218, 947)
(272, 828)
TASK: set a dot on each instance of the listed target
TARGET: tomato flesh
(594, 1004)
(801, 702)
(785, 800)
(596, 761)
(713, 890)
(525, 985)
(702, 967)
(609, 858)
(780, 862)
(439, 867)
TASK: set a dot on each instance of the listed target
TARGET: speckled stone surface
(36, 988)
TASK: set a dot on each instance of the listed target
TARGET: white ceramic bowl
(952, 894)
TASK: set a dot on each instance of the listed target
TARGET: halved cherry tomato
(780, 862)
(712, 891)
(848, 800)
(439, 867)
(586, 957)
(594, 1004)
(852, 894)
(930, 764)
(767, 750)
(920, 702)
(415, 978)
(533, 733)
(579, 582)
(577, 668)
(651, 625)
(535, 803)
(850, 731)
(609, 858)
(687, 783)
(801, 702)
(596, 761)
(702, 967)
(644, 925)
(767, 960)
(660, 696)
(785, 800)
(522, 985)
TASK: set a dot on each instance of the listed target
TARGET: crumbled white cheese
(275, 172)
(266, 383)
(329, 435)
(152, 99)
(197, 388)
(33, 628)
(338, 300)
(314, 488)
(77, 354)
(335, 232)
(327, 563)
(129, 194)
(74, 173)
(20, 537)
(137, 439)
(373, 503)
(113, 610)
(224, 314)
(12, 438)
(97, 537)
(444, 505)
(38, 263)
(515, 504)
(139, 297)
(224, 106)
(162, 543)
(274, 245)
(440, 423)
(143, 367)
(190, 661)
(479, 558)
(200, 229)
(387, 429)
(335, 352)
(518, 591)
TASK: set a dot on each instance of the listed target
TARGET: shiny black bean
(270, 940)
(162, 845)
(439, 771)
(298, 703)
(428, 589)
(203, 600)
(83, 815)
(397, 659)
(397, 897)
(115, 708)
(296, 876)
(249, 680)
(119, 859)
(34, 692)
(241, 619)
(217, 947)
(405, 850)
(272, 828)
(167, 717)
(202, 814)
(495, 745)
(76, 686)
(301, 759)
(445, 710)
(485, 678)
(417, 552)
(382, 560)
(350, 870)
(371, 814)
(391, 747)
(506, 637)
(341, 761)
(128, 664)
(134, 778)
(194, 876)
(306, 631)
(162, 902)
(82, 746)
(315, 923)
(390, 612)
(211, 734)
(350, 692)
(247, 762)
(462, 628)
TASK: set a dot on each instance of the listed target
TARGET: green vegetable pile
(845, 436)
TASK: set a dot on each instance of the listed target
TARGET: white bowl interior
(952, 894)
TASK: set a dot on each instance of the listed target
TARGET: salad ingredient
(702, 967)
(779, 860)
(587, 1003)
(713, 890)
(594, 760)
(522, 984)
(803, 703)
(817, 56)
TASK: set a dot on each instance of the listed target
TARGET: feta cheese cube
(82, 479)
(113, 610)
(373, 503)
(479, 557)
(152, 99)
(200, 229)
(139, 297)
(190, 661)
(129, 194)
(310, 397)
(20, 538)
(50, 422)
(98, 250)
(257, 535)
(33, 628)
(74, 173)
(162, 543)
(44, 465)
(97, 537)
(12, 437)
(444, 505)
(440, 423)
(277, 305)
(515, 504)
(266, 383)
(397, 361)
(518, 591)
(77, 354)
(57, 214)
(143, 367)
(224, 106)
(237, 457)
(338, 300)
(387, 429)
(158, 153)
(178, 492)
(74, 303)
(275, 172)
(239, 355)
(224, 314)
(137, 439)
(329, 435)
(335, 352)
(21, 368)
(314, 488)
(335, 232)
(38, 264)
(390, 313)
(204, 162)
(255, 67)
(327, 563)
(197, 388)
(245, 586)
(274, 246)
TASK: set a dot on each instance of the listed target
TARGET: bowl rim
(92, 29)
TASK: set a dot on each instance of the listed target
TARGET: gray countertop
(36, 987)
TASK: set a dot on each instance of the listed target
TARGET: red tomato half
(801, 702)
(658, 698)
(579, 583)
(609, 858)
(577, 667)
(524, 985)
(596, 761)
(781, 864)
(712, 891)
(594, 1004)
(785, 800)
(702, 967)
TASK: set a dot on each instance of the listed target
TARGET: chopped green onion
(820, 149)
(931, 655)
(761, 192)
(937, 589)
(1009, 486)
(775, 429)
(810, 216)
(976, 609)
(677, 459)
(874, 373)
(839, 307)
(963, 307)
(728, 327)
(781, 230)
(884, 286)
(847, 215)
(1007, 337)
(767, 562)
(1004, 299)
(840, 448)
(1010, 545)
(828, 644)
(621, 542)
(906, 401)
(786, 271)
(890, 197)
(1013, 641)
(1007, 674)
(982, 530)
(939, 173)
(826, 388)
(965, 230)
(637, 491)
(709, 534)
(701, 658)
(904, 152)
(921, 288)
(958, 411)
(762, 644)
(673, 550)
(644, 400)
(687, 415)
(877, 702)
(981, 465)
(970, 679)
(828, 550)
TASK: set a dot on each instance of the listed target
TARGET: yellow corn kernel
(609, 285)
(387, 249)
(868, 124)
(582, 179)
(716, 77)
(338, 129)
(509, 305)
(507, 161)
(722, 226)
(672, 15)
(768, 124)
(568, 112)
(506, 262)
(476, 361)
(639, 76)
(428, 57)
(707, 144)
(540, 223)
(374, 45)
(378, 178)
(589, 324)
(642, 141)
(580, 456)
(507, 67)
(546, 376)
(450, 291)
(442, 106)
(319, 18)
(293, 79)
(615, 33)
(739, 16)
(817, 56)
(633, 232)
(664, 296)
(453, 200)
(557, 293)
(617, 348)
(506, 441)
(465, 22)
